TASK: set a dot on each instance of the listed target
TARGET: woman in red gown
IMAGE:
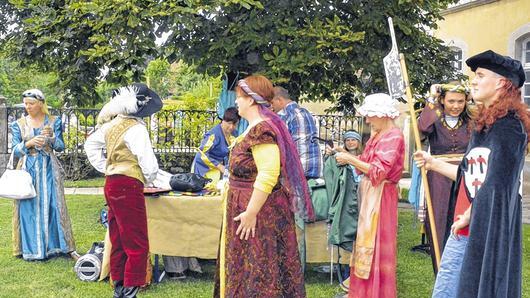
(373, 264)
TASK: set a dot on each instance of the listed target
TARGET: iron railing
(172, 131)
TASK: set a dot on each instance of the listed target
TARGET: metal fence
(172, 131)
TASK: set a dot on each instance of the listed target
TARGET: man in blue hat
(129, 164)
(486, 202)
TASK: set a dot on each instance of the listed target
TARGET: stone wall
(4, 156)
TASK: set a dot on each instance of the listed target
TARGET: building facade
(473, 26)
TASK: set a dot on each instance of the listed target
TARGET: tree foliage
(320, 49)
(317, 49)
(182, 82)
(88, 41)
(14, 79)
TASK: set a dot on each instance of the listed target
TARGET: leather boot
(118, 289)
(130, 292)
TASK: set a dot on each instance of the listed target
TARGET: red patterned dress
(267, 265)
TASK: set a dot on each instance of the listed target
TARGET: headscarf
(292, 174)
(350, 134)
(459, 88)
(36, 94)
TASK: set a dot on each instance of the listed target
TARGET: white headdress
(379, 105)
(124, 102)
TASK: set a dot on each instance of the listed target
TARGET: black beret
(502, 65)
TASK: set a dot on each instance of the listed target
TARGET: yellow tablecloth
(184, 226)
(190, 227)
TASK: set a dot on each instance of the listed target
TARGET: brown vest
(120, 160)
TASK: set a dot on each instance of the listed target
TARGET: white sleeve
(138, 141)
(94, 146)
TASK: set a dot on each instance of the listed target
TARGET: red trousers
(127, 229)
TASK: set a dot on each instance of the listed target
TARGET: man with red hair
(482, 257)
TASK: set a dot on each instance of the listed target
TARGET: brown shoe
(74, 255)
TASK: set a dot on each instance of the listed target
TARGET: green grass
(404, 195)
(93, 182)
(55, 277)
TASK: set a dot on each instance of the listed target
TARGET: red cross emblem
(477, 167)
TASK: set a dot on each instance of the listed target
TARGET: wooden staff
(416, 131)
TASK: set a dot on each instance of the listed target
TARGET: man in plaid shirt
(303, 130)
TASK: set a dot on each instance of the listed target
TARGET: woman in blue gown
(210, 161)
(41, 225)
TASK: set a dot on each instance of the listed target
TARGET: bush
(76, 166)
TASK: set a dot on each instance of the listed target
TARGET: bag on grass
(88, 267)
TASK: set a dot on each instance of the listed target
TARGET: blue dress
(213, 151)
(41, 226)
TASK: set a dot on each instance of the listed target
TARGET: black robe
(492, 262)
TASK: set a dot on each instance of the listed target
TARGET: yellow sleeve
(207, 146)
(267, 159)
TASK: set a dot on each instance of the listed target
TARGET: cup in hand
(40, 141)
(47, 131)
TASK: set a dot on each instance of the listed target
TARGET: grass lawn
(93, 182)
(55, 278)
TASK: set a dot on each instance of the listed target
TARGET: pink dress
(385, 156)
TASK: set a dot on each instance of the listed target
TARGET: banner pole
(416, 132)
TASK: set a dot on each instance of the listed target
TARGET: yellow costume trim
(205, 149)
(214, 175)
(120, 160)
(236, 140)
(267, 159)
(231, 140)
(222, 246)
(450, 157)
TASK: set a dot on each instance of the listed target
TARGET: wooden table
(189, 226)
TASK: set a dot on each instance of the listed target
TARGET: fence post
(4, 131)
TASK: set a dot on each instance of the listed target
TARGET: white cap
(33, 93)
(379, 105)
